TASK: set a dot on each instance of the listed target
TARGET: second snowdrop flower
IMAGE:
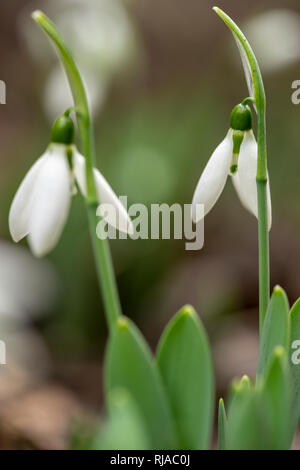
(236, 156)
(41, 205)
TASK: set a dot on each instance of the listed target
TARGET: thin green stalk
(222, 423)
(251, 65)
(105, 271)
(263, 233)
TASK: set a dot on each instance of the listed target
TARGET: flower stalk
(103, 260)
(257, 92)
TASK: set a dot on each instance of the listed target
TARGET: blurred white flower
(27, 286)
(27, 357)
(58, 97)
(28, 289)
(102, 38)
(41, 205)
(275, 37)
(100, 33)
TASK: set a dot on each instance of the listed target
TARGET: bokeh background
(163, 77)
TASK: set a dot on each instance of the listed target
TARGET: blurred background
(163, 78)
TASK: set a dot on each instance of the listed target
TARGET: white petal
(237, 185)
(245, 178)
(52, 196)
(105, 193)
(213, 178)
(21, 206)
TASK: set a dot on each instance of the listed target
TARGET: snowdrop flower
(41, 205)
(236, 156)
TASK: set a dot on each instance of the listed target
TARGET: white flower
(28, 287)
(41, 205)
(275, 37)
(242, 167)
(58, 96)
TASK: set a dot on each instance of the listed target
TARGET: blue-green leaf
(259, 417)
(243, 431)
(276, 399)
(185, 363)
(294, 356)
(222, 423)
(125, 428)
(275, 329)
(129, 366)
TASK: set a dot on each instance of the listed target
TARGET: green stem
(262, 172)
(247, 100)
(105, 271)
(263, 232)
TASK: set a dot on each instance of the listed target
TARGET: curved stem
(101, 250)
(247, 100)
(252, 69)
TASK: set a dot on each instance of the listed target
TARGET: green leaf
(184, 360)
(248, 419)
(222, 423)
(125, 429)
(242, 422)
(294, 356)
(275, 329)
(259, 417)
(129, 365)
(276, 397)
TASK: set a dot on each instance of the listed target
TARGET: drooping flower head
(236, 156)
(41, 205)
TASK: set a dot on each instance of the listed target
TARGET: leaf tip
(188, 310)
(278, 290)
(219, 12)
(239, 385)
(221, 402)
(119, 397)
(245, 380)
(37, 15)
(122, 323)
(279, 351)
